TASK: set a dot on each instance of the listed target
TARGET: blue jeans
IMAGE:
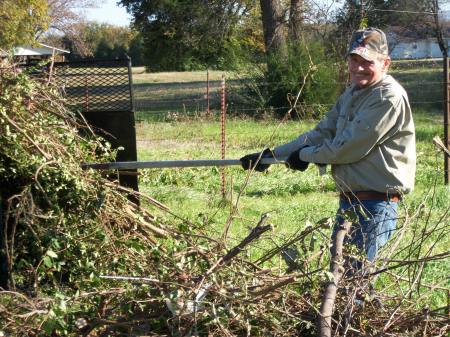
(373, 223)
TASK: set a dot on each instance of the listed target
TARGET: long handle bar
(132, 165)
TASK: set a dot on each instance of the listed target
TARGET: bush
(307, 72)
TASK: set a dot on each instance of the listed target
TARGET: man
(368, 138)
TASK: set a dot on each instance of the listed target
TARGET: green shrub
(307, 72)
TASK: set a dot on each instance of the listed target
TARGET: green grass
(140, 76)
(173, 95)
(293, 199)
(423, 85)
(199, 139)
(196, 193)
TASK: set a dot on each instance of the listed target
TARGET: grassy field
(293, 200)
(159, 96)
(165, 95)
(140, 76)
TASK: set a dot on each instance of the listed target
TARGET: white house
(418, 49)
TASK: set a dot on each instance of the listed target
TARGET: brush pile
(78, 258)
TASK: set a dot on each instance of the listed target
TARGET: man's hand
(295, 163)
(253, 161)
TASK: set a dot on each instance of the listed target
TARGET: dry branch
(72, 230)
(337, 271)
(440, 144)
(254, 234)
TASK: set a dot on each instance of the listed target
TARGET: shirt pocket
(361, 124)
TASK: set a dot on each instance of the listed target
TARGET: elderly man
(368, 138)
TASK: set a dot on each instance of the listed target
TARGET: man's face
(364, 73)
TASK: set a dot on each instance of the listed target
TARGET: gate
(103, 91)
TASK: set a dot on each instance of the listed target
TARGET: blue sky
(108, 12)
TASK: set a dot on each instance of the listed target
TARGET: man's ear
(386, 64)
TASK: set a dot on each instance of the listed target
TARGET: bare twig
(131, 278)
(440, 144)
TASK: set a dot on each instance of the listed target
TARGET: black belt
(370, 195)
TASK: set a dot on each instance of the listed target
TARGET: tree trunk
(337, 270)
(438, 29)
(273, 26)
(295, 19)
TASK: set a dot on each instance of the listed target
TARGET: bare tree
(70, 23)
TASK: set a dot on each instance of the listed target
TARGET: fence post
(50, 72)
(222, 123)
(86, 95)
(130, 85)
(207, 93)
(446, 118)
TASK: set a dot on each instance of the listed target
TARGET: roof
(43, 49)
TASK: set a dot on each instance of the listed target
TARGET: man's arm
(325, 129)
(371, 126)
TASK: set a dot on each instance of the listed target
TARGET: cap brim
(365, 54)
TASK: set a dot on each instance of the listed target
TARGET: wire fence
(199, 104)
(422, 79)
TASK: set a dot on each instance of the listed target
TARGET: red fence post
(207, 93)
(86, 96)
(446, 119)
(222, 122)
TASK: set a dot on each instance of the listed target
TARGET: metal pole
(223, 135)
(207, 93)
(86, 96)
(132, 165)
(446, 119)
(130, 84)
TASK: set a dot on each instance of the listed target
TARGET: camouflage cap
(369, 43)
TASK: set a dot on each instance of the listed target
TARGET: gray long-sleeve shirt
(368, 137)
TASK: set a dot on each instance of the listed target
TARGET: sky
(108, 12)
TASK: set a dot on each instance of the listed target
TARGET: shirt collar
(354, 90)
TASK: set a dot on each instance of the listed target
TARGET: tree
(274, 26)
(65, 21)
(391, 13)
(21, 20)
(439, 27)
(102, 41)
(179, 35)
(296, 18)
(108, 41)
(427, 18)
(294, 56)
(136, 50)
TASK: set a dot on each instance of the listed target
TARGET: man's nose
(357, 67)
